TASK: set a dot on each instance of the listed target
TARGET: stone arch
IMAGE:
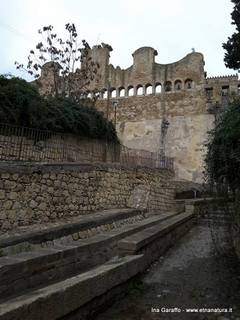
(139, 90)
(168, 86)
(130, 91)
(113, 93)
(104, 93)
(178, 85)
(149, 88)
(188, 84)
(121, 92)
(97, 94)
(89, 94)
(158, 87)
(83, 95)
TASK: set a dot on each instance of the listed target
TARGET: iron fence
(27, 144)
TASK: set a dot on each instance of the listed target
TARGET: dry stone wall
(31, 194)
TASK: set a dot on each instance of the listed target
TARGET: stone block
(7, 204)
(2, 195)
(44, 304)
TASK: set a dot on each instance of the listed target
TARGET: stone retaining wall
(47, 146)
(42, 193)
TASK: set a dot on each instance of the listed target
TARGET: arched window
(168, 86)
(225, 90)
(82, 96)
(178, 85)
(97, 94)
(158, 88)
(105, 94)
(113, 93)
(130, 91)
(89, 95)
(139, 90)
(121, 92)
(188, 84)
(149, 89)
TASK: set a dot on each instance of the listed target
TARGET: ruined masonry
(168, 108)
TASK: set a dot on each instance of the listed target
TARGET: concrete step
(65, 297)
(153, 241)
(29, 270)
(75, 296)
(30, 240)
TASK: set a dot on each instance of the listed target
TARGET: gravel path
(199, 272)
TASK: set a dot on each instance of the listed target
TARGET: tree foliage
(223, 148)
(232, 46)
(21, 104)
(65, 56)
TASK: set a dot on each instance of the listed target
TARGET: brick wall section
(32, 194)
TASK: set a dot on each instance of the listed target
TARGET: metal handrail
(35, 145)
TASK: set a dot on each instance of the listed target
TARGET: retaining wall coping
(30, 167)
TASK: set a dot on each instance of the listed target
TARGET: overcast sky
(172, 27)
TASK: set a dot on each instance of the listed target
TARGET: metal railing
(27, 144)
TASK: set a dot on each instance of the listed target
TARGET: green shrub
(21, 104)
(223, 155)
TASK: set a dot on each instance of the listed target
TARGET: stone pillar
(118, 93)
(144, 90)
(135, 91)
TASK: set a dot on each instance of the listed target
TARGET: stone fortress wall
(168, 108)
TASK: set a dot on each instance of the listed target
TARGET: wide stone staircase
(71, 271)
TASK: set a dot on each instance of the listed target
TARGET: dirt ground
(196, 279)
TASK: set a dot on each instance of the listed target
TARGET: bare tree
(63, 56)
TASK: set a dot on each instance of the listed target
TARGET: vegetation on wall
(21, 104)
(223, 155)
(223, 147)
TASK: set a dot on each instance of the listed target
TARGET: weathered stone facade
(43, 193)
(149, 94)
